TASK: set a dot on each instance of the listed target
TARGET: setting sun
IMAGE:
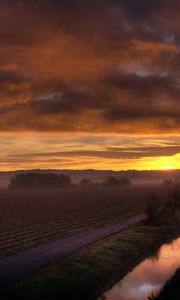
(168, 168)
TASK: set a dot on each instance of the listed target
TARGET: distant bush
(40, 180)
(153, 209)
(111, 181)
(173, 202)
(158, 211)
(168, 183)
(125, 182)
(176, 198)
(85, 182)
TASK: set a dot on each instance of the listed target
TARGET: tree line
(60, 180)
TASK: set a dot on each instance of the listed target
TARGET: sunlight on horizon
(168, 168)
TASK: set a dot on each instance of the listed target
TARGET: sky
(89, 84)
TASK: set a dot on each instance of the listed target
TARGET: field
(32, 217)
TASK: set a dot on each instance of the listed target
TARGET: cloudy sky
(89, 84)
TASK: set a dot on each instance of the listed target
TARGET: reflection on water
(148, 277)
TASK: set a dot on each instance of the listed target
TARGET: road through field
(21, 264)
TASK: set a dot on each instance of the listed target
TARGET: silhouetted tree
(167, 183)
(125, 182)
(85, 182)
(111, 181)
(40, 180)
(173, 202)
(153, 209)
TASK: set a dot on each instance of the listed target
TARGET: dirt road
(19, 265)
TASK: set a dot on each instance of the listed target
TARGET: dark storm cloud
(12, 77)
(143, 102)
(52, 16)
(47, 87)
(69, 101)
(89, 65)
(140, 90)
(145, 85)
(114, 20)
(135, 113)
(140, 9)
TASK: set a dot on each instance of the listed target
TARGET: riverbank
(90, 271)
(171, 290)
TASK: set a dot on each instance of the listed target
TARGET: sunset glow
(168, 168)
(92, 85)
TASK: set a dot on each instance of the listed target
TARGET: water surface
(148, 277)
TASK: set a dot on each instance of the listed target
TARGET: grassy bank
(171, 289)
(92, 269)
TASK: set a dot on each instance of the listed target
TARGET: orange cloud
(89, 67)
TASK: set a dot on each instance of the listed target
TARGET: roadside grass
(90, 270)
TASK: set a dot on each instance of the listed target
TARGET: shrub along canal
(149, 277)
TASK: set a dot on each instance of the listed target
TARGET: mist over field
(4, 180)
(136, 177)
